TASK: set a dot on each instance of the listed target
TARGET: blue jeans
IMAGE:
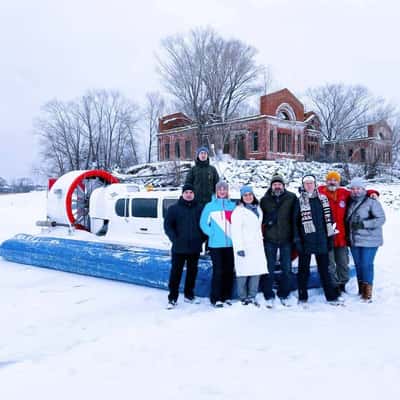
(247, 287)
(267, 281)
(364, 262)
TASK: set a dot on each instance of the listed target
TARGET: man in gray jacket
(365, 218)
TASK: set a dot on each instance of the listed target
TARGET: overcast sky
(59, 49)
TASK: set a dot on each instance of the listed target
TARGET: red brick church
(374, 146)
(282, 129)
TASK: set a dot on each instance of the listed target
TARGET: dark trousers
(303, 274)
(223, 276)
(178, 262)
(267, 280)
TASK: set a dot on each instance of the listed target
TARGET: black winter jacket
(203, 177)
(316, 242)
(278, 216)
(182, 226)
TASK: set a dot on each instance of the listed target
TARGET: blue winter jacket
(215, 222)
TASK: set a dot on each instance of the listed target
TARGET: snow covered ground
(65, 336)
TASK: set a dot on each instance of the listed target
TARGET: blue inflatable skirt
(138, 265)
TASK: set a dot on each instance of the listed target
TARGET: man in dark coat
(203, 177)
(182, 226)
(277, 206)
(313, 233)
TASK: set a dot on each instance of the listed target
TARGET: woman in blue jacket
(215, 222)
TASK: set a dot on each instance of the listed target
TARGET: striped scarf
(306, 214)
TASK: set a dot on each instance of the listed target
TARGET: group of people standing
(245, 240)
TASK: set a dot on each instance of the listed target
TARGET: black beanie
(187, 186)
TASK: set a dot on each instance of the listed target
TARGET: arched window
(286, 112)
(283, 115)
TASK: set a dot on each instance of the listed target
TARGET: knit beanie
(187, 186)
(245, 189)
(277, 178)
(358, 182)
(221, 184)
(333, 175)
(202, 149)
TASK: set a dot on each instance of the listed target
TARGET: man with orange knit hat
(338, 197)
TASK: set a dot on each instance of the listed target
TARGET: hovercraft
(99, 227)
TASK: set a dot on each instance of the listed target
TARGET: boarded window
(166, 151)
(188, 149)
(271, 140)
(254, 141)
(177, 151)
(362, 154)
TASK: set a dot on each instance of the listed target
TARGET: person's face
(248, 198)
(357, 191)
(277, 186)
(222, 193)
(332, 184)
(188, 195)
(309, 186)
(203, 156)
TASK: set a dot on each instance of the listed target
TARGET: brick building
(281, 130)
(374, 147)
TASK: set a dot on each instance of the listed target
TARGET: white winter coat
(247, 236)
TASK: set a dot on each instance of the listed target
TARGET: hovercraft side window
(166, 204)
(121, 207)
(144, 208)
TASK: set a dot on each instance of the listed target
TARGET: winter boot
(360, 288)
(367, 293)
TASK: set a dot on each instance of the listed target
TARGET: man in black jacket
(277, 206)
(313, 233)
(182, 226)
(203, 177)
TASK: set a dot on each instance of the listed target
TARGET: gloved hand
(299, 246)
(357, 225)
(241, 253)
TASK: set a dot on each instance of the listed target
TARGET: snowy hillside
(239, 172)
(67, 336)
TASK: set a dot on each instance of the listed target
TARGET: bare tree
(345, 111)
(231, 76)
(22, 185)
(395, 125)
(60, 136)
(208, 75)
(267, 79)
(95, 131)
(154, 109)
(182, 70)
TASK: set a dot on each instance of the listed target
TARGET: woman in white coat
(248, 246)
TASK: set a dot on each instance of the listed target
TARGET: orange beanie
(333, 175)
